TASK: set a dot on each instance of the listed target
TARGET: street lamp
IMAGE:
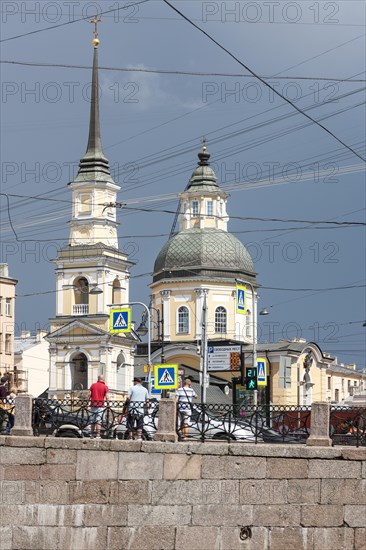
(142, 330)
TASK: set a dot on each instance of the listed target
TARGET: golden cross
(96, 20)
(204, 143)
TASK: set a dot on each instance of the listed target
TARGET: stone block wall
(72, 494)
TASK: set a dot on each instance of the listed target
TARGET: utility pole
(204, 350)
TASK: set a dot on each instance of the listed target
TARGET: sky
(286, 176)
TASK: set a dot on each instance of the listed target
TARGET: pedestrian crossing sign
(166, 377)
(261, 372)
(241, 293)
(120, 320)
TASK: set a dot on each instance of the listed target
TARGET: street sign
(241, 293)
(223, 358)
(154, 390)
(251, 379)
(261, 372)
(166, 377)
(120, 320)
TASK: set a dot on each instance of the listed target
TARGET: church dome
(203, 252)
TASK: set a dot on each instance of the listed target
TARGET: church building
(91, 275)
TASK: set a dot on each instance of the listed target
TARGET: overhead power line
(284, 98)
(174, 72)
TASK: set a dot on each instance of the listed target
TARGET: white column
(166, 313)
(60, 293)
(199, 305)
(52, 373)
(102, 298)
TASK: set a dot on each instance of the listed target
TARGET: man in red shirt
(98, 394)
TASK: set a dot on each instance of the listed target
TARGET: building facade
(7, 322)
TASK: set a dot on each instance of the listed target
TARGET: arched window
(183, 320)
(81, 296)
(121, 360)
(220, 320)
(116, 292)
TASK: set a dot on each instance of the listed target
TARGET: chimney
(41, 333)
(4, 270)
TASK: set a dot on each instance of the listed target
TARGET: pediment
(76, 328)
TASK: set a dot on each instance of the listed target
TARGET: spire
(94, 166)
(203, 156)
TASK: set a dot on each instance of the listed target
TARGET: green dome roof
(204, 252)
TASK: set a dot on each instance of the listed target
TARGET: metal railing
(255, 424)
(263, 424)
(348, 426)
(76, 418)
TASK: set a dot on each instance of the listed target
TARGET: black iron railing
(263, 424)
(348, 426)
(77, 418)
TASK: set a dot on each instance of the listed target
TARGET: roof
(210, 249)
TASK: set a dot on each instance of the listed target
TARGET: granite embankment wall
(74, 494)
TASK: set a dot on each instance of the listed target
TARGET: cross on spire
(95, 21)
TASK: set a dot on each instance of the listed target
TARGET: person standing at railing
(138, 398)
(11, 409)
(184, 397)
(98, 394)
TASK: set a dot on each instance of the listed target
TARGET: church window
(85, 207)
(183, 320)
(81, 296)
(195, 207)
(220, 320)
(209, 208)
(121, 360)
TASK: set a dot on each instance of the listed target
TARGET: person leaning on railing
(98, 394)
(184, 397)
(137, 400)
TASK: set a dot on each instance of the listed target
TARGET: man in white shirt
(184, 397)
(138, 397)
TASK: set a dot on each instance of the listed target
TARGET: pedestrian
(137, 400)
(184, 397)
(3, 405)
(98, 394)
(11, 409)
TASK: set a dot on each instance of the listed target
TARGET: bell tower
(91, 275)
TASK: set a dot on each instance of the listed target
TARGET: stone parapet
(72, 493)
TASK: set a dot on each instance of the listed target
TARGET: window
(342, 384)
(183, 320)
(1, 342)
(349, 384)
(220, 320)
(285, 372)
(209, 208)
(329, 383)
(7, 343)
(195, 206)
(8, 307)
(336, 395)
(85, 203)
(1, 305)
